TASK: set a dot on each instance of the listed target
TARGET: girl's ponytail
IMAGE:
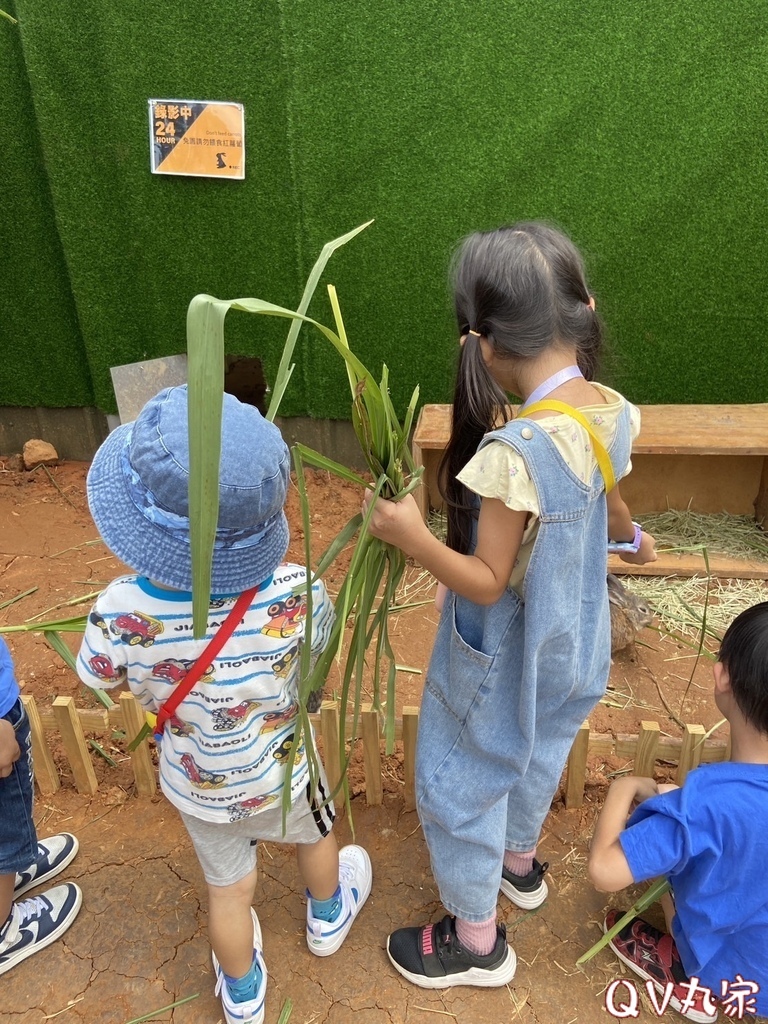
(477, 401)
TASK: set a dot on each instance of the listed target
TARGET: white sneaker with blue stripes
(251, 1011)
(355, 878)
(36, 922)
(53, 855)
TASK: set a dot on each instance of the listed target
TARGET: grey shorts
(227, 850)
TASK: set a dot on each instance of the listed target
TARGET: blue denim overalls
(509, 685)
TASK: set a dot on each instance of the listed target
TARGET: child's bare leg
(7, 882)
(230, 925)
(319, 866)
(668, 906)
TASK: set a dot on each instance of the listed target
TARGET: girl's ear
(591, 302)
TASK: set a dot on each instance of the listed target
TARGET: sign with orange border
(198, 138)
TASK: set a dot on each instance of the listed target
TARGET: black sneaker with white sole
(53, 855)
(36, 922)
(526, 891)
(433, 957)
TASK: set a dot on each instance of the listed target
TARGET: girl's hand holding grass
(396, 522)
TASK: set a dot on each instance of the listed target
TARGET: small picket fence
(73, 724)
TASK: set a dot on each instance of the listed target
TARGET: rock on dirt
(39, 453)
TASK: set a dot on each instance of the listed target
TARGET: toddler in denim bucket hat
(223, 756)
(138, 492)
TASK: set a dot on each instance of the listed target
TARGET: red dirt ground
(140, 944)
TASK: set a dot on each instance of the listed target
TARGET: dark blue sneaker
(37, 922)
(53, 855)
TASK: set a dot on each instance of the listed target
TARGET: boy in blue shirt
(29, 925)
(709, 839)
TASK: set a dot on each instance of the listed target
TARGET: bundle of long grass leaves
(376, 568)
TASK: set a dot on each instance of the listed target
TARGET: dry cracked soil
(139, 943)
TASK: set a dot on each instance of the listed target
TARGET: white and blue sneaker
(36, 922)
(53, 855)
(355, 878)
(252, 1010)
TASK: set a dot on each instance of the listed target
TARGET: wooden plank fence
(72, 724)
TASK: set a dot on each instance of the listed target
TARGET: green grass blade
(337, 545)
(61, 649)
(163, 1009)
(313, 458)
(102, 753)
(285, 369)
(205, 360)
(341, 331)
(76, 624)
(205, 367)
(305, 669)
(69, 659)
(285, 1012)
(4, 14)
(19, 597)
(651, 895)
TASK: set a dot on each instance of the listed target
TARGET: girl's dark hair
(744, 655)
(523, 288)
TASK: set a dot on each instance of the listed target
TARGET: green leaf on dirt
(163, 1009)
(651, 895)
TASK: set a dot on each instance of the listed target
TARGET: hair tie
(477, 334)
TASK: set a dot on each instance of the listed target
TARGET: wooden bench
(711, 458)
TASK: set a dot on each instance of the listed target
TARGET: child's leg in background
(31, 924)
(7, 883)
(668, 906)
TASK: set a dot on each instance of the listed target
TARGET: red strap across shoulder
(212, 650)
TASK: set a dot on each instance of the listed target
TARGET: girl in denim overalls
(522, 652)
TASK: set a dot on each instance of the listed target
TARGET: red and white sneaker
(653, 956)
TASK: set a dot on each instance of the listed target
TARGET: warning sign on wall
(197, 137)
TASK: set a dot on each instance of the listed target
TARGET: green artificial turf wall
(638, 128)
(42, 357)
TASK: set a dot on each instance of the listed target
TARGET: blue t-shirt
(711, 839)
(9, 688)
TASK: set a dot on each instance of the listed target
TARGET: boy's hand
(645, 553)
(10, 752)
(607, 865)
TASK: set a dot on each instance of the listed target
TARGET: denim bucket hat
(138, 492)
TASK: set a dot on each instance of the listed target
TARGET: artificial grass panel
(43, 359)
(140, 246)
(638, 129)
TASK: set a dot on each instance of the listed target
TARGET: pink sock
(519, 863)
(477, 936)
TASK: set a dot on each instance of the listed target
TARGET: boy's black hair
(744, 655)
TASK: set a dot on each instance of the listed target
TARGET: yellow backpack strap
(601, 454)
